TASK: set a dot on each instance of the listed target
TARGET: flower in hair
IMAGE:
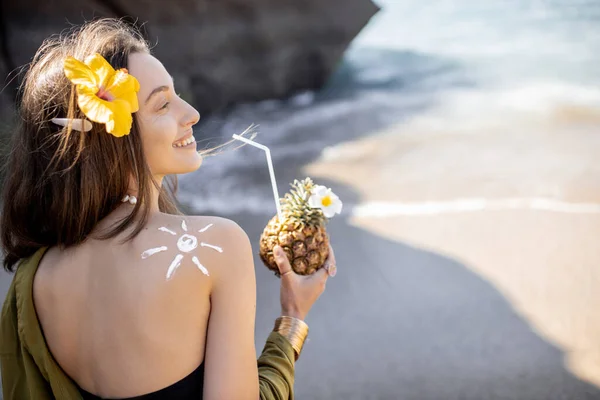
(104, 95)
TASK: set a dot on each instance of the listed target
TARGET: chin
(190, 165)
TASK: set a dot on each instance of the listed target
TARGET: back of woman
(116, 293)
(114, 320)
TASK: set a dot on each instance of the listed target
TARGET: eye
(165, 106)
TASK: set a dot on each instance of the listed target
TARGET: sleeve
(276, 369)
(20, 376)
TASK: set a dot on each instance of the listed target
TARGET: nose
(192, 116)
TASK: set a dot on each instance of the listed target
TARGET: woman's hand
(299, 293)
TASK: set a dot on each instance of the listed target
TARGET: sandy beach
(470, 264)
(544, 264)
(418, 311)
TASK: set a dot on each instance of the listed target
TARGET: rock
(220, 52)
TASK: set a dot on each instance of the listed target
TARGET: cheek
(158, 134)
(158, 130)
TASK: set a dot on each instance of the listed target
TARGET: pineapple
(301, 234)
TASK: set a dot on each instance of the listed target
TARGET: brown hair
(60, 182)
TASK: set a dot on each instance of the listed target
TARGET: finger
(330, 264)
(331, 256)
(321, 275)
(330, 268)
(281, 260)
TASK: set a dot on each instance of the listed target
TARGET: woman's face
(164, 119)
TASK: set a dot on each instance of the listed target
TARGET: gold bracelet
(294, 330)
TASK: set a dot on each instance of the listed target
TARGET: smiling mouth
(185, 143)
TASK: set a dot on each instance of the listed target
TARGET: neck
(154, 192)
(154, 198)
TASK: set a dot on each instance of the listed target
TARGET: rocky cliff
(220, 52)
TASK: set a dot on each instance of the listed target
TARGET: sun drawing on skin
(186, 243)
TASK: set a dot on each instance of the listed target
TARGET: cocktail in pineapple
(299, 226)
(301, 231)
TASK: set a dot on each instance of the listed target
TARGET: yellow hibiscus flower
(104, 95)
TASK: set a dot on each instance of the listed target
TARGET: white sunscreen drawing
(205, 228)
(200, 266)
(162, 228)
(217, 248)
(185, 244)
(174, 265)
(155, 250)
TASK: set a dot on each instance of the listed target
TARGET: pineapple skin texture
(306, 247)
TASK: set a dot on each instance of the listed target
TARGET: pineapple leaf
(295, 205)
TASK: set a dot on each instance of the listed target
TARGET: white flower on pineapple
(323, 198)
(185, 244)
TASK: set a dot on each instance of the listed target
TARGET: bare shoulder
(221, 227)
(218, 244)
(226, 231)
(236, 261)
(197, 225)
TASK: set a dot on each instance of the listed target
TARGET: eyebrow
(159, 89)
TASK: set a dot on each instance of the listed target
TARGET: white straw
(271, 171)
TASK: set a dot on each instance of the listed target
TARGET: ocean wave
(446, 66)
(564, 103)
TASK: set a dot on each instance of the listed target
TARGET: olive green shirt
(30, 372)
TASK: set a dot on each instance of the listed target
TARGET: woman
(116, 293)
